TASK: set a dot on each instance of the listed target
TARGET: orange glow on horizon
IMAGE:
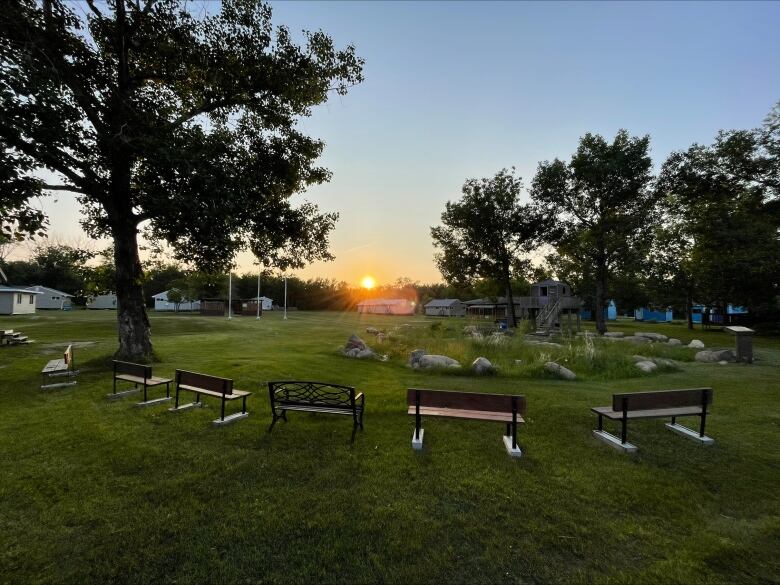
(368, 282)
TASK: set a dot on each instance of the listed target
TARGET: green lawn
(93, 490)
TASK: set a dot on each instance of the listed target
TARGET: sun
(368, 282)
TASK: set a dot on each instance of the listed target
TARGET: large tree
(181, 123)
(602, 205)
(486, 234)
(721, 204)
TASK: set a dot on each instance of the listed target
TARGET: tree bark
(601, 300)
(689, 309)
(511, 318)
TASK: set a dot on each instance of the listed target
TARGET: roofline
(51, 289)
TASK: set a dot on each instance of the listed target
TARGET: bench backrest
(139, 370)
(311, 393)
(661, 399)
(204, 381)
(466, 400)
(68, 357)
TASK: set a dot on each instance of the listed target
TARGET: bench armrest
(360, 397)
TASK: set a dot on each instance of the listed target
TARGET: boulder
(419, 359)
(637, 340)
(715, 356)
(673, 341)
(696, 344)
(470, 329)
(482, 366)
(651, 336)
(614, 334)
(560, 371)
(542, 343)
(366, 354)
(351, 353)
(372, 330)
(642, 358)
(647, 367)
(354, 342)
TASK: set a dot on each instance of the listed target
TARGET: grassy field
(95, 491)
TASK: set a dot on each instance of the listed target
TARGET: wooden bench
(139, 375)
(62, 367)
(307, 396)
(11, 337)
(659, 404)
(500, 408)
(205, 385)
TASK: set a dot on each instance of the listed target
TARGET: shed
(386, 307)
(266, 304)
(445, 308)
(661, 316)
(161, 303)
(51, 298)
(610, 312)
(107, 301)
(17, 300)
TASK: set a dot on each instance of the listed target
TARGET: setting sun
(368, 282)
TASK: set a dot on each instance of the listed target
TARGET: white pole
(285, 297)
(258, 296)
(230, 295)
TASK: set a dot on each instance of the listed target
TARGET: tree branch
(71, 188)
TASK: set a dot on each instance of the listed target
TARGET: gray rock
(637, 340)
(715, 356)
(482, 365)
(723, 363)
(696, 344)
(351, 353)
(651, 336)
(542, 343)
(372, 330)
(642, 358)
(419, 359)
(560, 371)
(614, 334)
(366, 354)
(665, 363)
(647, 367)
(355, 342)
(674, 341)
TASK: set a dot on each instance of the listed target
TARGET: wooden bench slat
(153, 381)
(233, 396)
(55, 366)
(467, 414)
(649, 413)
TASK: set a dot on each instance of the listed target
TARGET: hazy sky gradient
(458, 90)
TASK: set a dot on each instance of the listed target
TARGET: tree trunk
(135, 340)
(511, 318)
(601, 300)
(689, 308)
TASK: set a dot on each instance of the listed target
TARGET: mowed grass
(95, 491)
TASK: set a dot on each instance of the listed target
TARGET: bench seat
(64, 366)
(153, 381)
(232, 396)
(463, 413)
(314, 408)
(650, 413)
(55, 366)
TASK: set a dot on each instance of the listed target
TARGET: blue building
(645, 314)
(697, 310)
(610, 313)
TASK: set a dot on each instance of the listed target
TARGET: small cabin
(610, 313)
(660, 316)
(162, 303)
(17, 300)
(51, 298)
(386, 307)
(445, 308)
(549, 291)
(104, 302)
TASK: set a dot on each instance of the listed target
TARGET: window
(32, 299)
(19, 298)
(543, 291)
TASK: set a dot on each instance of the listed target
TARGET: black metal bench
(501, 408)
(658, 404)
(203, 384)
(321, 397)
(139, 375)
(62, 367)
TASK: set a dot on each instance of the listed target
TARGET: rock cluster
(357, 348)
(715, 356)
(560, 371)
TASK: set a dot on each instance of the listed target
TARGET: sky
(457, 90)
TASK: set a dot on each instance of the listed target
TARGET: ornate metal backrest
(304, 392)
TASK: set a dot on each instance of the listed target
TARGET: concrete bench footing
(155, 401)
(614, 442)
(59, 385)
(186, 406)
(417, 444)
(513, 452)
(690, 434)
(122, 394)
(231, 418)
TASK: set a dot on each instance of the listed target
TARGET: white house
(51, 298)
(17, 300)
(161, 303)
(266, 304)
(386, 307)
(103, 302)
(445, 308)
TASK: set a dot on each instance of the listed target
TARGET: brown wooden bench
(321, 397)
(139, 375)
(500, 408)
(62, 367)
(658, 404)
(205, 385)
(11, 337)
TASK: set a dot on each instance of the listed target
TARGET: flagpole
(258, 296)
(230, 295)
(285, 297)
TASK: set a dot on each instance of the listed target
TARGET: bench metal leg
(243, 405)
(417, 439)
(145, 397)
(222, 417)
(167, 389)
